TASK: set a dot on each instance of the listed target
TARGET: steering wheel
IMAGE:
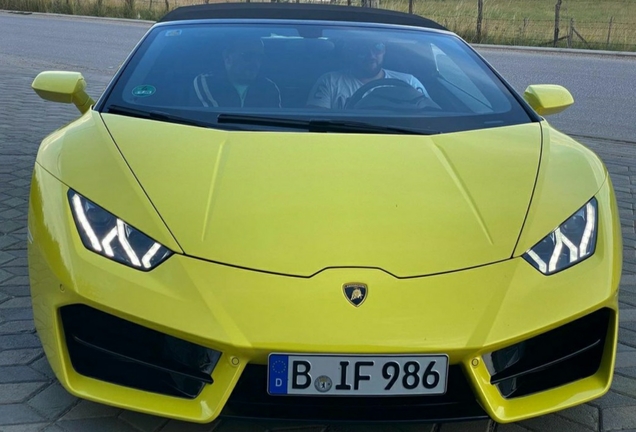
(399, 92)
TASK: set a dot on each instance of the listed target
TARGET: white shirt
(334, 88)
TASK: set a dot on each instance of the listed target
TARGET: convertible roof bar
(298, 11)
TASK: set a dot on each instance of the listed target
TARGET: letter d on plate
(278, 374)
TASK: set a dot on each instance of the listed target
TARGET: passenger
(241, 85)
(365, 58)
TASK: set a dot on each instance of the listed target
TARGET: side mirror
(548, 99)
(65, 87)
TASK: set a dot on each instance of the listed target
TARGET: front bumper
(245, 315)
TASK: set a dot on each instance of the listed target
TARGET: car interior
(458, 82)
(295, 64)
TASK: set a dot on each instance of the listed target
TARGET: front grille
(569, 353)
(250, 400)
(108, 348)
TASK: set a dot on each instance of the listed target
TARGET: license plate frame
(365, 375)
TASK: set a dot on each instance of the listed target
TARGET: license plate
(356, 375)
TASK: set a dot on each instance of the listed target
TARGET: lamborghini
(326, 213)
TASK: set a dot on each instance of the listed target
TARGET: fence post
(410, 6)
(167, 5)
(570, 32)
(587, 44)
(609, 31)
(480, 17)
(557, 14)
(371, 3)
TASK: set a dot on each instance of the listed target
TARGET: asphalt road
(604, 87)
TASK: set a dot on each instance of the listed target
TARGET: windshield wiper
(343, 126)
(155, 115)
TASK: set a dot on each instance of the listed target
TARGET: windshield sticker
(173, 33)
(144, 91)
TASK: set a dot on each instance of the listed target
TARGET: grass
(506, 22)
(531, 22)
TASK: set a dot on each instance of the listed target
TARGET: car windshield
(311, 76)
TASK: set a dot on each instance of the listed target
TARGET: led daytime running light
(589, 227)
(121, 233)
(150, 254)
(568, 244)
(109, 236)
(83, 220)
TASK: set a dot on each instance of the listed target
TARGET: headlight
(572, 242)
(104, 233)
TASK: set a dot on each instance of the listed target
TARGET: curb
(83, 17)
(613, 141)
(628, 54)
(545, 50)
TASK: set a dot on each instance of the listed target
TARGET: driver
(365, 58)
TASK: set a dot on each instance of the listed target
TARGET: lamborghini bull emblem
(356, 293)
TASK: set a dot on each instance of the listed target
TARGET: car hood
(297, 203)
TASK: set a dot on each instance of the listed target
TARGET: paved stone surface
(32, 400)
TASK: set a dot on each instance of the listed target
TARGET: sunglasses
(363, 49)
(248, 56)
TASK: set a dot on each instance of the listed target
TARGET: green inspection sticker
(144, 91)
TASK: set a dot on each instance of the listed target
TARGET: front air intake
(111, 349)
(560, 356)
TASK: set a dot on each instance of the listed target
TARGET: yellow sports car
(319, 212)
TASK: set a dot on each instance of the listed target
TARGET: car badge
(356, 293)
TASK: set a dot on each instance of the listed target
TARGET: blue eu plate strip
(278, 374)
